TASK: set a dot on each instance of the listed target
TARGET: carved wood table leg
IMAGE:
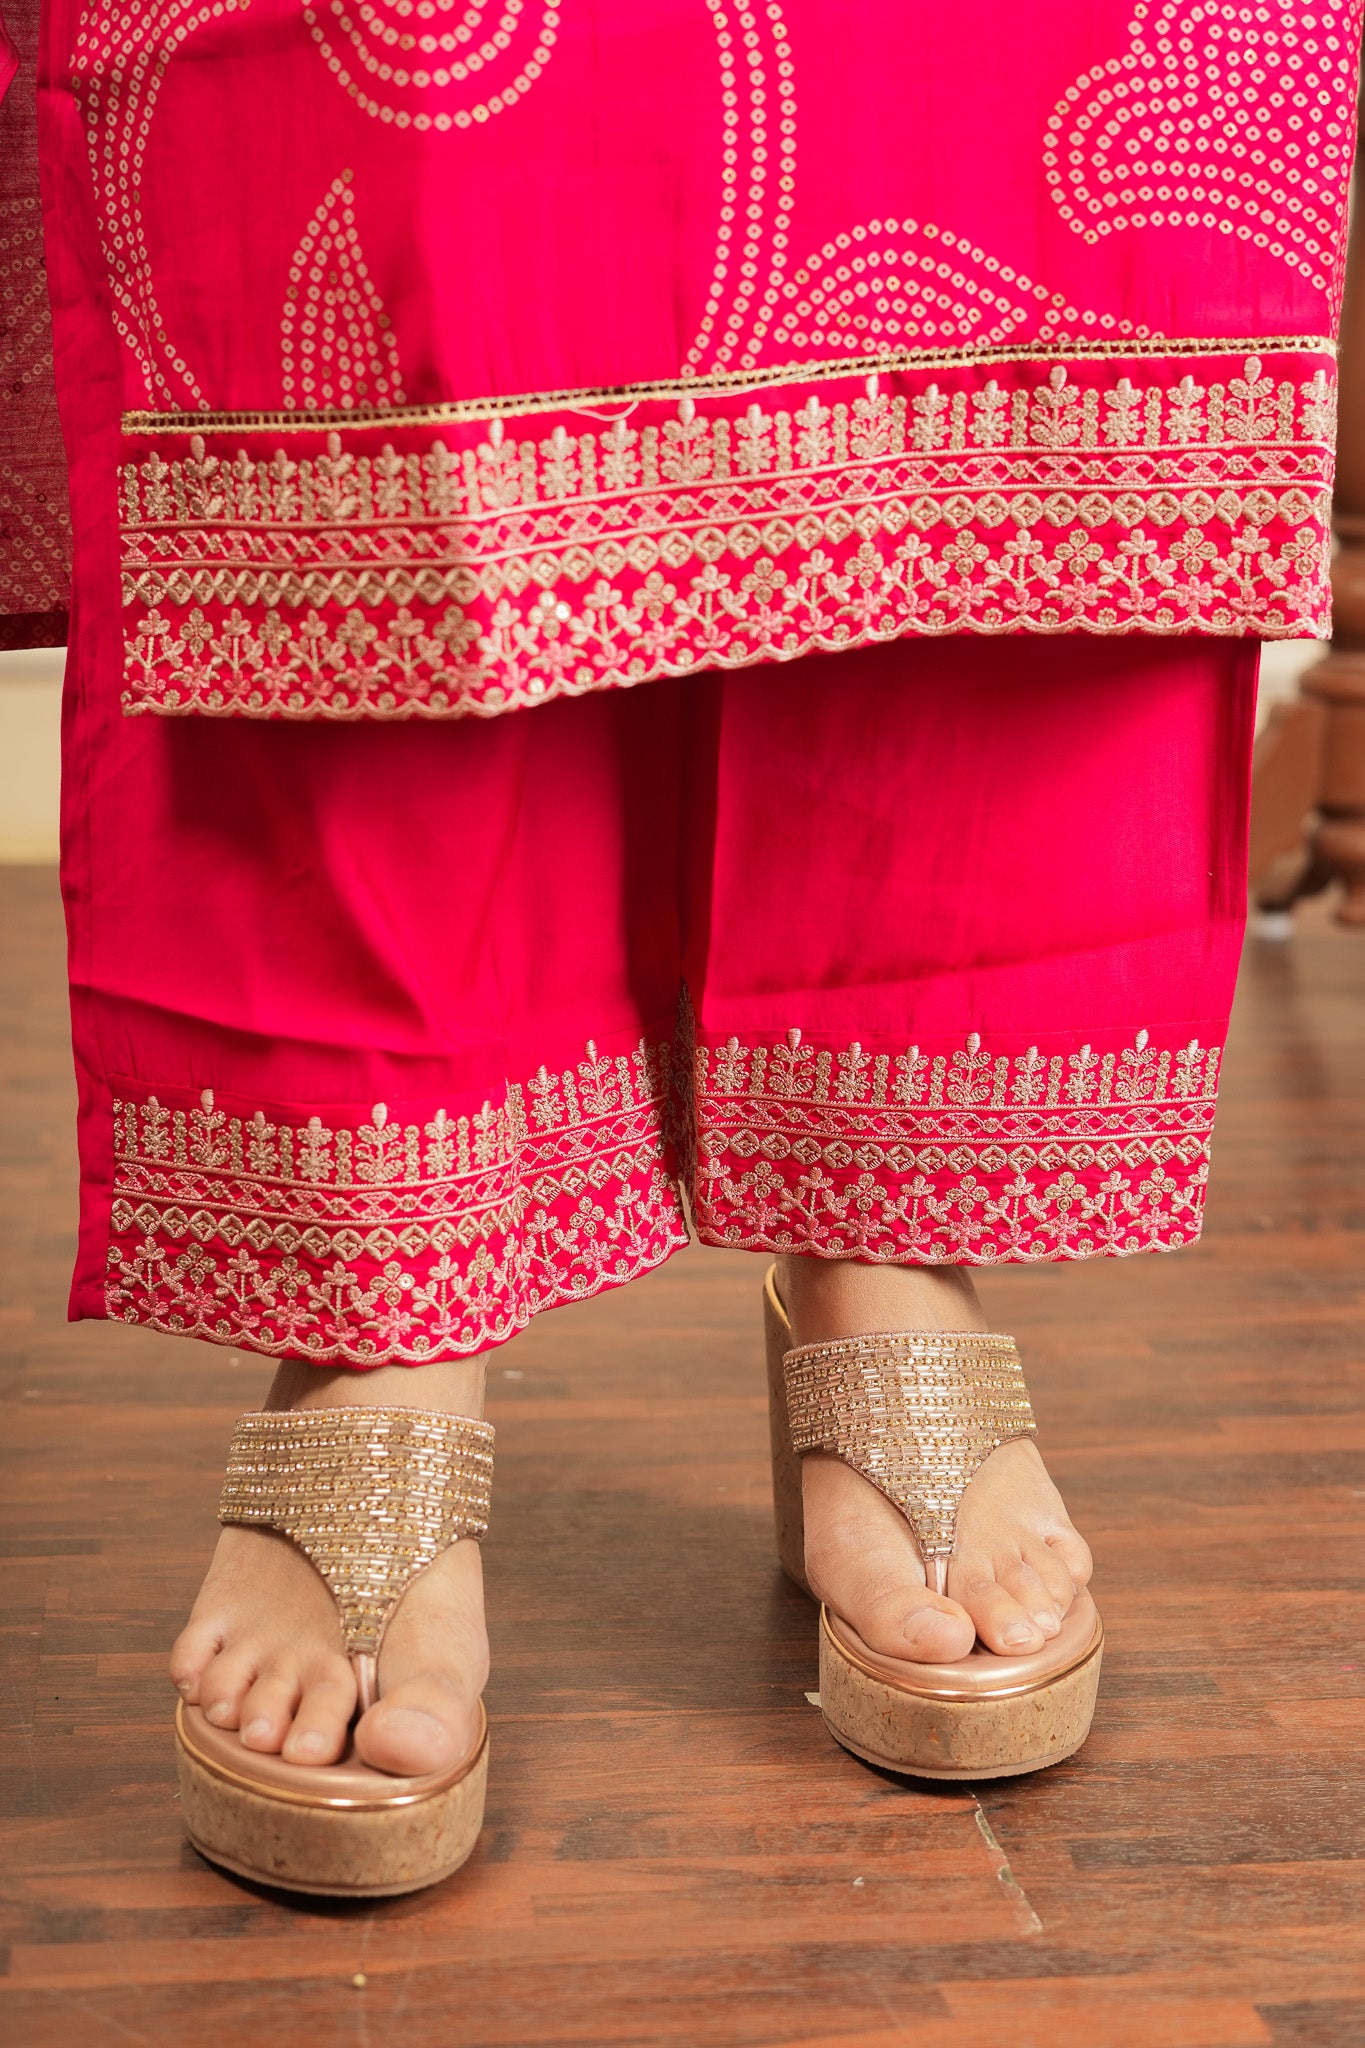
(1287, 863)
(1338, 681)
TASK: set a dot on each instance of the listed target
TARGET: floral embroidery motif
(1126, 148)
(968, 1157)
(385, 1240)
(400, 66)
(336, 339)
(435, 563)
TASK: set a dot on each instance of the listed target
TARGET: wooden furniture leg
(1308, 779)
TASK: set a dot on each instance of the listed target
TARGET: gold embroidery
(758, 183)
(336, 340)
(934, 1158)
(898, 284)
(480, 569)
(433, 1237)
(118, 66)
(1125, 150)
(818, 370)
(394, 62)
(387, 1240)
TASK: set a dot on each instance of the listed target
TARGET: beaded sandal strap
(370, 1495)
(917, 1412)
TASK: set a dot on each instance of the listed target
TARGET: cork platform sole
(982, 1716)
(339, 1830)
(963, 1720)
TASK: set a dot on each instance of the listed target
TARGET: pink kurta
(470, 356)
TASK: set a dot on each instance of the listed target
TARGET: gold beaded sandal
(372, 1496)
(917, 1412)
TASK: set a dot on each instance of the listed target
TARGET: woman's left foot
(1018, 1563)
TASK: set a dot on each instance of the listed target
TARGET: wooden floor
(675, 1852)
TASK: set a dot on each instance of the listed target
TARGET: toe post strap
(916, 1412)
(371, 1495)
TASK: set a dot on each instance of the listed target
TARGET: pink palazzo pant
(390, 1037)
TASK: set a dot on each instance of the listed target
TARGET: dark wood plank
(675, 1852)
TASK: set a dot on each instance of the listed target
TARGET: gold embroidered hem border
(469, 561)
(971, 1158)
(383, 1239)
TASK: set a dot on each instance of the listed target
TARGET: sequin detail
(371, 1495)
(916, 1412)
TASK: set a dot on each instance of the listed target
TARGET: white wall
(30, 726)
(1282, 663)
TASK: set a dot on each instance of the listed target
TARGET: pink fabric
(573, 238)
(389, 1039)
(471, 359)
(35, 533)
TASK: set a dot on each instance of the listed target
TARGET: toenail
(1017, 1634)
(219, 1713)
(310, 1741)
(256, 1731)
(1048, 1623)
(414, 1715)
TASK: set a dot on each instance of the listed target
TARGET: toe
(937, 1631)
(1061, 1587)
(1073, 1552)
(427, 1724)
(1028, 1587)
(267, 1710)
(1000, 1621)
(195, 1648)
(879, 1595)
(224, 1685)
(323, 1715)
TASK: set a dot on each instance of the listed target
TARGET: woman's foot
(262, 1649)
(1018, 1563)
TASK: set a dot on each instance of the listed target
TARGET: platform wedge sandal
(372, 1496)
(917, 1412)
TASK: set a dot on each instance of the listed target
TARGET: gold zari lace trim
(371, 1495)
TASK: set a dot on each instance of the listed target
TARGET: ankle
(827, 1299)
(450, 1386)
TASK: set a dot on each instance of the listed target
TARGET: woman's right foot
(1018, 1562)
(262, 1650)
